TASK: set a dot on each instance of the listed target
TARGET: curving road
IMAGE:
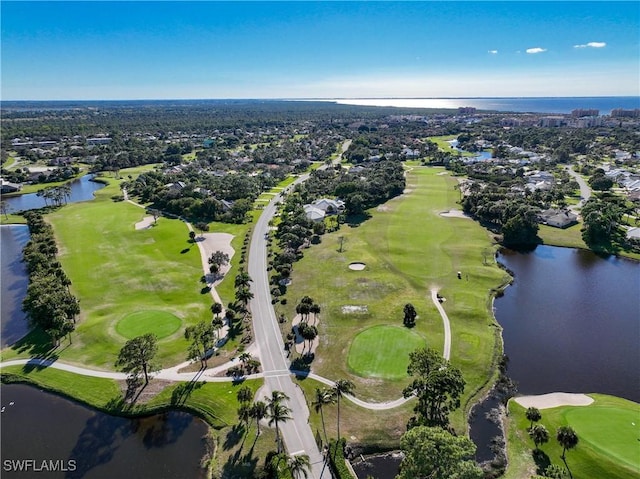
(585, 190)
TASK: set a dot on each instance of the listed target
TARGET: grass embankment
(237, 449)
(376, 430)
(407, 248)
(608, 432)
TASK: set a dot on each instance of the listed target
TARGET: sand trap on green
(383, 352)
(160, 323)
(612, 431)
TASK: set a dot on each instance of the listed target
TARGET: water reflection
(14, 283)
(81, 190)
(571, 322)
(41, 426)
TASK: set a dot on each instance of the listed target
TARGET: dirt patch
(454, 214)
(355, 309)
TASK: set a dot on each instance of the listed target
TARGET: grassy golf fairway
(618, 438)
(383, 352)
(117, 270)
(608, 439)
(408, 248)
(160, 323)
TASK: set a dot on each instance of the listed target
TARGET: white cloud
(493, 52)
(591, 45)
(536, 50)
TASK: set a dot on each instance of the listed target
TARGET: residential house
(8, 187)
(558, 218)
(313, 213)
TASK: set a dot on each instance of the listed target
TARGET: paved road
(585, 190)
(297, 435)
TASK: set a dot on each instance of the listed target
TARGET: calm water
(42, 426)
(81, 190)
(533, 105)
(13, 286)
(379, 466)
(571, 322)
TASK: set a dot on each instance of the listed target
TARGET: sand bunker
(357, 266)
(547, 401)
(211, 243)
(355, 309)
(146, 223)
(454, 214)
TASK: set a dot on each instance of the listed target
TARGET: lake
(571, 323)
(13, 286)
(44, 427)
(82, 189)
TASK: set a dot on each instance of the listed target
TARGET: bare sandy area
(146, 222)
(454, 214)
(209, 243)
(547, 401)
(301, 344)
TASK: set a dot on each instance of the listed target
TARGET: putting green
(612, 431)
(160, 323)
(383, 352)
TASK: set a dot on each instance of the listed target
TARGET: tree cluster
(437, 385)
(48, 303)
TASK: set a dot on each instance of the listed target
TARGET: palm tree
(244, 394)
(323, 397)
(303, 310)
(244, 296)
(539, 434)
(276, 397)
(342, 387)
(299, 466)
(216, 324)
(259, 412)
(567, 438)
(242, 280)
(309, 333)
(533, 414)
(315, 309)
(216, 308)
(244, 413)
(278, 413)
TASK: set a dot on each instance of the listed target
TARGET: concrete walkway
(445, 322)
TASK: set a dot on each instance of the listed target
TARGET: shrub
(337, 460)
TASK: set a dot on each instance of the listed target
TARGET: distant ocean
(534, 105)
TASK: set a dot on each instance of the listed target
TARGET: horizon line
(322, 98)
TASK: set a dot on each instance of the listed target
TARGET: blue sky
(128, 50)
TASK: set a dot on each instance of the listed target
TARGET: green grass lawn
(608, 432)
(160, 323)
(374, 429)
(408, 248)
(117, 270)
(383, 352)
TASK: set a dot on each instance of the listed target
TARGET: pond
(81, 442)
(571, 323)
(82, 189)
(13, 286)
